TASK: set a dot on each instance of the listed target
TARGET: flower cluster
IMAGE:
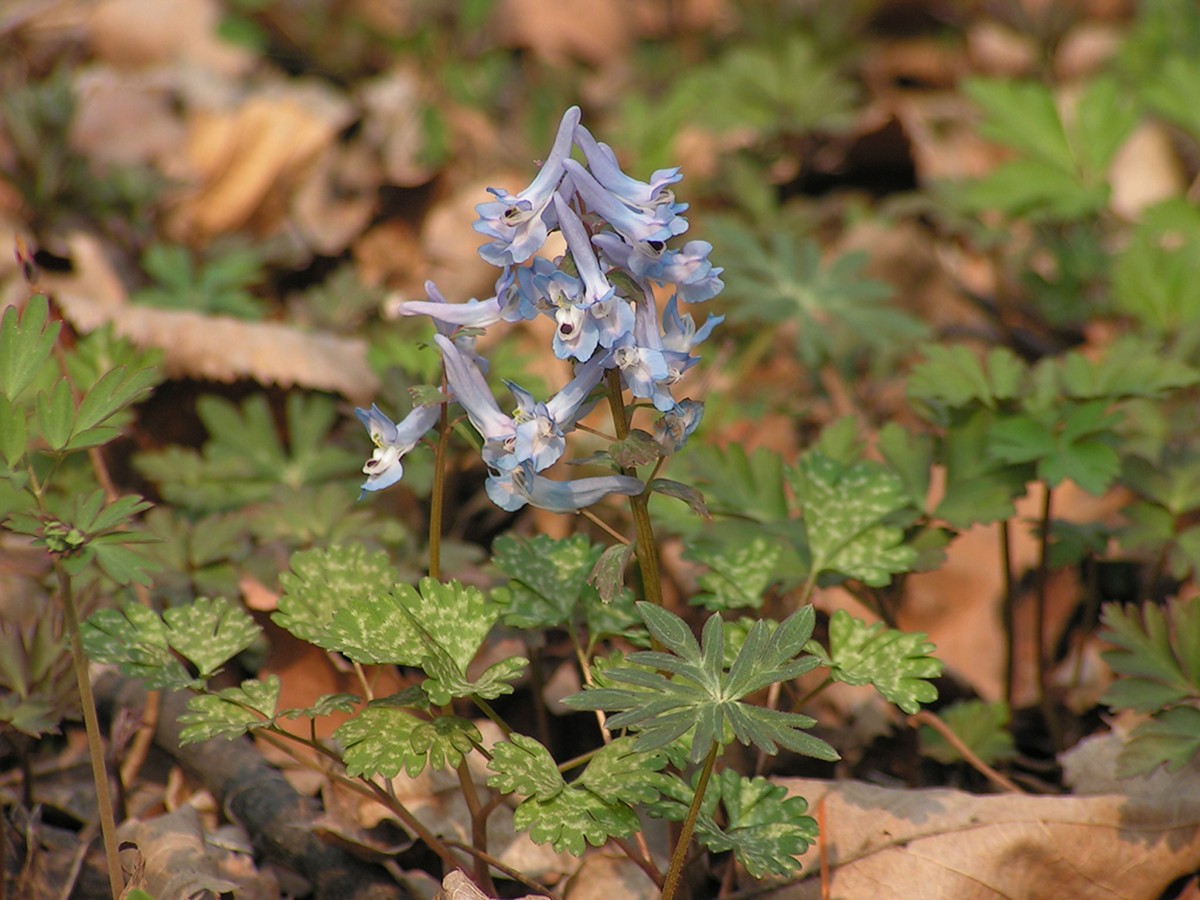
(601, 296)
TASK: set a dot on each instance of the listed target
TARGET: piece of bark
(256, 796)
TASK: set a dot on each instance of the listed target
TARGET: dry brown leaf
(1146, 170)
(125, 118)
(136, 33)
(217, 348)
(174, 859)
(335, 202)
(605, 876)
(393, 124)
(569, 29)
(884, 842)
(246, 162)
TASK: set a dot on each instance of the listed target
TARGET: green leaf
(210, 632)
(116, 389)
(910, 457)
(1024, 116)
(232, 712)
(572, 817)
(702, 695)
(134, 639)
(548, 577)
(448, 679)
(739, 572)
(619, 773)
(26, 342)
(978, 488)
(750, 486)
(56, 415)
(13, 432)
(765, 828)
(982, 726)
(1156, 654)
(1171, 736)
(385, 738)
(847, 512)
(896, 664)
(523, 766)
(325, 580)
(955, 377)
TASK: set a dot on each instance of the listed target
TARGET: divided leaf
(1157, 654)
(848, 513)
(26, 341)
(703, 695)
(385, 738)
(739, 572)
(325, 580)
(209, 632)
(896, 664)
(231, 712)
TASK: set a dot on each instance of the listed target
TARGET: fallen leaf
(217, 348)
(1130, 842)
(596, 33)
(393, 124)
(245, 162)
(137, 33)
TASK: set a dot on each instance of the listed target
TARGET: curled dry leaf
(1130, 842)
(246, 162)
(217, 348)
(176, 860)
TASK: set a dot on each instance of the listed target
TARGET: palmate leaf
(142, 644)
(978, 488)
(26, 341)
(746, 485)
(325, 580)
(385, 738)
(524, 766)
(448, 679)
(1074, 441)
(703, 695)
(955, 377)
(407, 624)
(548, 578)
(134, 639)
(620, 773)
(1156, 654)
(895, 663)
(739, 572)
(573, 818)
(764, 827)
(209, 632)
(1171, 737)
(231, 712)
(848, 513)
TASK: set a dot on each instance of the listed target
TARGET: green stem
(689, 825)
(438, 498)
(639, 505)
(104, 805)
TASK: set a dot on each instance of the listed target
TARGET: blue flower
(513, 489)
(647, 229)
(518, 221)
(392, 442)
(535, 433)
(679, 332)
(638, 194)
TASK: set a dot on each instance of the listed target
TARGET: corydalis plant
(601, 296)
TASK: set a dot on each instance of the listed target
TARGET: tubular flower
(392, 442)
(517, 221)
